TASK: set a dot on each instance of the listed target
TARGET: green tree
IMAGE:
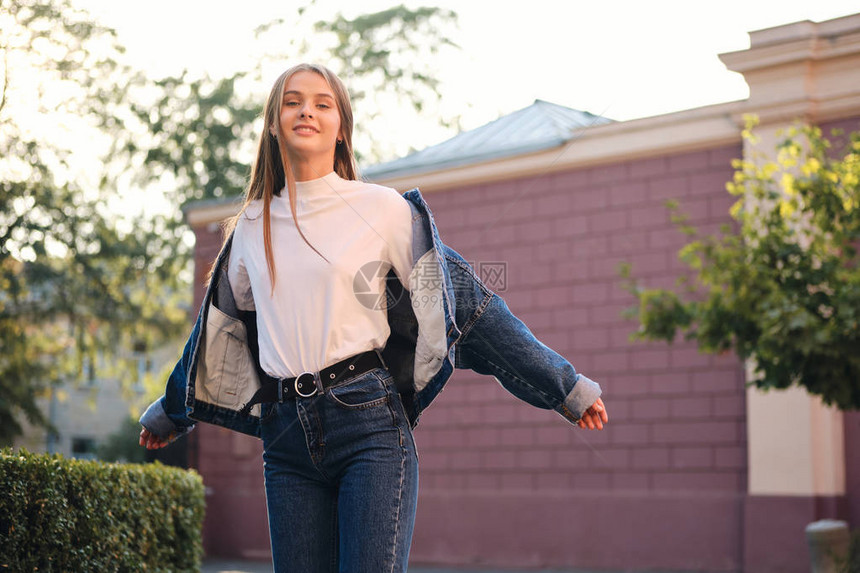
(78, 282)
(781, 285)
(200, 132)
(387, 58)
(83, 283)
(122, 445)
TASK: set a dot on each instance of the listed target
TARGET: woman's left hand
(594, 417)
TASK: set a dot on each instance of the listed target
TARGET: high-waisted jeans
(341, 478)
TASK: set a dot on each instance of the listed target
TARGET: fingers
(589, 421)
(594, 417)
(150, 441)
(155, 443)
(601, 410)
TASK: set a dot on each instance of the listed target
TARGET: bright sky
(619, 58)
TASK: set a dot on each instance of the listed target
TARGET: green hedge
(58, 514)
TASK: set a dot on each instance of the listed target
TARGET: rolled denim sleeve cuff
(155, 420)
(585, 393)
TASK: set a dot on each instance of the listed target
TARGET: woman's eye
(291, 103)
(323, 105)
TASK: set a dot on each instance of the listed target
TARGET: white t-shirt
(321, 312)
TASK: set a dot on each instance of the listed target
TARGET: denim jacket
(447, 319)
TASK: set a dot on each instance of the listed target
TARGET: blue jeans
(341, 478)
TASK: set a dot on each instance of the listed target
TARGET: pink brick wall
(232, 468)
(231, 464)
(675, 413)
(677, 426)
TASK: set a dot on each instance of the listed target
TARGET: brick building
(694, 471)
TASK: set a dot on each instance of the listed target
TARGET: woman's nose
(305, 112)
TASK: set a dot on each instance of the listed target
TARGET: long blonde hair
(272, 170)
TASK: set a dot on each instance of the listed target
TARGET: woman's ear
(273, 132)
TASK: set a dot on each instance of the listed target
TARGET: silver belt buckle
(304, 380)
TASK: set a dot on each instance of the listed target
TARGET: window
(83, 448)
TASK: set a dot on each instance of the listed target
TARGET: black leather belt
(305, 384)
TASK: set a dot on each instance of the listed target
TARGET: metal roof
(541, 125)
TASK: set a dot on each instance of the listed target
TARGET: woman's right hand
(150, 441)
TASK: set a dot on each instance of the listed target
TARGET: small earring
(339, 141)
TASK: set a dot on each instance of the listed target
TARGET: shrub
(58, 514)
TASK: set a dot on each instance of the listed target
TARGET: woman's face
(310, 122)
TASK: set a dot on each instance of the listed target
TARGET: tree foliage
(387, 58)
(378, 52)
(781, 286)
(122, 445)
(86, 276)
(77, 282)
(198, 136)
(201, 131)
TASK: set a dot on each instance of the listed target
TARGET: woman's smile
(305, 129)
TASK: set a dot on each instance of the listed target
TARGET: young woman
(333, 316)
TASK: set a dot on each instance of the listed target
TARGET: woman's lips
(305, 129)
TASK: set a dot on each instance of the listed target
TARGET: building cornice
(806, 70)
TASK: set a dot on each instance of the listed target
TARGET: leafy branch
(781, 285)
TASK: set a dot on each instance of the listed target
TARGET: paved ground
(219, 566)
